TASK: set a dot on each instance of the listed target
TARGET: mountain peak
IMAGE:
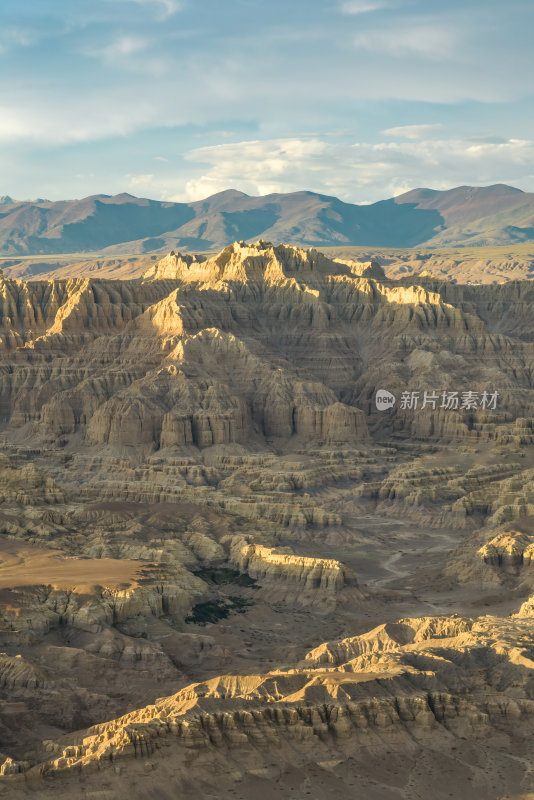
(226, 194)
(258, 262)
(128, 224)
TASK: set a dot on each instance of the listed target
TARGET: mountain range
(466, 215)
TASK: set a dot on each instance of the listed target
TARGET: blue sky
(178, 99)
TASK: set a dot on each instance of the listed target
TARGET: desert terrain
(224, 572)
(466, 265)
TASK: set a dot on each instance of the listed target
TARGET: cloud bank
(359, 172)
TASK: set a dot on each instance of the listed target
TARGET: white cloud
(121, 47)
(411, 131)
(14, 123)
(160, 158)
(362, 6)
(163, 8)
(434, 41)
(136, 181)
(14, 37)
(84, 119)
(353, 172)
(263, 167)
(24, 37)
(134, 53)
(273, 90)
(359, 172)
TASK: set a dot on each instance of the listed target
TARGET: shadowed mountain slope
(126, 224)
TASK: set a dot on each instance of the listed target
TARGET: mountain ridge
(227, 572)
(122, 223)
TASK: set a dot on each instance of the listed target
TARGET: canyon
(225, 572)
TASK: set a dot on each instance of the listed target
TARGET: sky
(179, 99)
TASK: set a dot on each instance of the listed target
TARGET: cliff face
(384, 688)
(222, 568)
(270, 563)
(261, 341)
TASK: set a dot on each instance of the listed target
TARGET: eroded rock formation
(215, 550)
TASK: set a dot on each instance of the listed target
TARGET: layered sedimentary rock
(386, 687)
(310, 573)
(497, 554)
(217, 350)
(509, 548)
(26, 485)
(364, 269)
(201, 502)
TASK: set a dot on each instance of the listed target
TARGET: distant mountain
(466, 215)
(473, 215)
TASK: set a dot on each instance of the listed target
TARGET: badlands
(225, 573)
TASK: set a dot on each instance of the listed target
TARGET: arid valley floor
(224, 573)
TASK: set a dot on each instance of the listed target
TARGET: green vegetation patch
(215, 610)
(211, 611)
(239, 604)
(220, 577)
